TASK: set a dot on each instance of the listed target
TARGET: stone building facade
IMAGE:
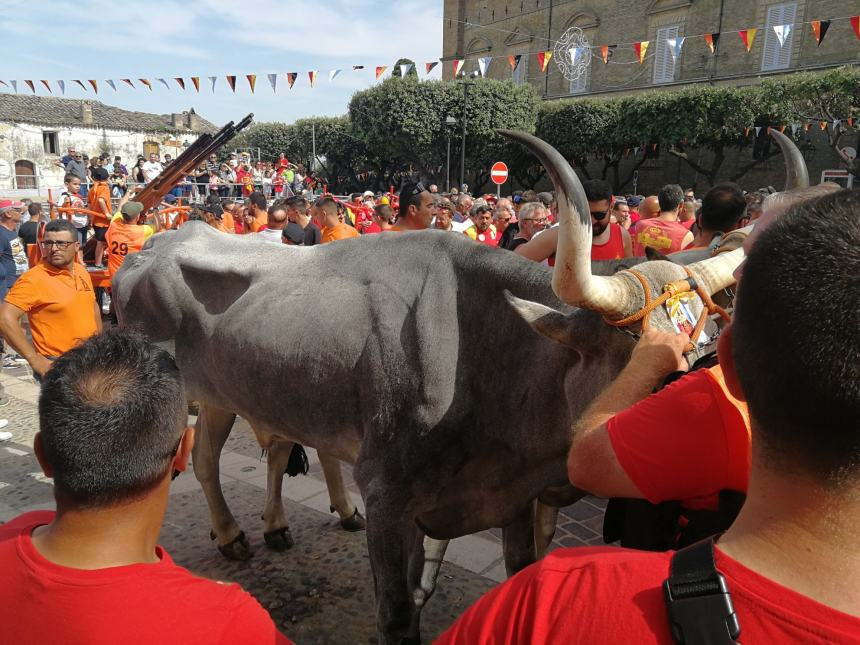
(35, 131)
(478, 28)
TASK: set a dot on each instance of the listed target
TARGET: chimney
(86, 113)
(177, 121)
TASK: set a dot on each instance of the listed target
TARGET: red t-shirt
(42, 602)
(613, 249)
(665, 237)
(687, 442)
(490, 237)
(610, 595)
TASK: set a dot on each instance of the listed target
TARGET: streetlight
(450, 122)
(466, 85)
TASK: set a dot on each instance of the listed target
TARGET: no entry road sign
(499, 173)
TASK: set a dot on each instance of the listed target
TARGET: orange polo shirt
(339, 231)
(59, 304)
(123, 239)
(99, 189)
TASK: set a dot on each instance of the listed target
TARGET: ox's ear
(544, 320)
(215, 287)
(653, 254)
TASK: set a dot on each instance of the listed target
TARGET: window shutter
(773, 56)
(664, 63)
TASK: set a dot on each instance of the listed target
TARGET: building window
(664, 61)
(521, 73)
(773, 56)
(50, 143)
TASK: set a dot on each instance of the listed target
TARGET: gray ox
(382, 340)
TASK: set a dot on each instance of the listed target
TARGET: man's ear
(183, 453)
(727, 363)
(39, 449)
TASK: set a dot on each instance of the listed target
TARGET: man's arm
(591, 462)
(105, 208)
(628, 243)
(687, 241)
(540, 247)
(10, 326)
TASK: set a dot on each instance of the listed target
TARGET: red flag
(380, 70)
(640, 48)
(312, 77)
(231, 81)
(712, 40)
(748, 36)
(291, 78)
(543, 59)
(47, 86)
(806, 126)
(429, 66)
(782, 129)
(252, 81)
(146, 82)
(822, 125)
(458, 65)
(514, 61)
(196, 81)
(604, 53)
(180, 82)
(128, 82)
(95, 86)
(849, 121)
(30, 85)
(819, 28)
(855, 24)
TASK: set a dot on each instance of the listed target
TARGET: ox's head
(619, 296)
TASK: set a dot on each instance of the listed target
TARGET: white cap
(367, 193)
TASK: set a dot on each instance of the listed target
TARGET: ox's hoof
(280, 539)
(238, 549)
(355, 522)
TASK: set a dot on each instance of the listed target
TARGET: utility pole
(466, 85)
(548, 46)
(313, 145)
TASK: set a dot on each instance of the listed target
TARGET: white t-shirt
(151, 170)
(271, 235)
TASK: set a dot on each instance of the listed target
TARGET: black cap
(294, 233)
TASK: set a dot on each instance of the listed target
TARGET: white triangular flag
(213, 79)
(14, 86)
(575, 54)
(483, 64)
(794, 128)
(273, 81)
(112, 84)
(332, 74)
(62, 85)
(674, 45)
(405, 69)
(836, 123)
(757, 130)
(163, 81)
(782, 32)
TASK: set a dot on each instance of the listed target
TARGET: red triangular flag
(806, 126)
(514, 61)
(196, 81)
(81, 84)
(822, 125)
(47, 86)
(849, 120)
(30, 85)
(855, 24)
(231, 81)
(819, 28)
(782, 129)
(748, 36)
(380, 70)
(252, 81)
(312, 77)
(640, 48)
(458, 65)
(146, 82)
(291, 78)
(180, 82)
(543, 59)
(429, 66)
(128, 82)
(95, 86)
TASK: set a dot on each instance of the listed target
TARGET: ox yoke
(397, 352)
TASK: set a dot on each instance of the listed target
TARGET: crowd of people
(113, 420)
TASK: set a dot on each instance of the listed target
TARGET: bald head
(650, 207)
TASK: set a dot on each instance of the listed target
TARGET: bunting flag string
(674, 45)
(607, 52)
(50, 91)
(483, 64)
(640, 48)
(514, 61)
(380, 70)
(312, 77)
(855, 25)
(252, 81)
(819, 28)
(332, 74)
(83, 87)
(15, 86)
(213, 80)
(429, 67)
(457, 65)
(543, 59)
(180, 82)
(163, 82)
(782, 33)
(712, 40)
(128, 82)
(273, 81)
(231, 81)
(111, 83)
(95, 86)
(748, 36)
(405, 69)
(146, 82)
(62, 85)
(195, 80)
(31, 86)
(291, 78)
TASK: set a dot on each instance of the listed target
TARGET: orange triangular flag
(748, 36)
(746, 132)
(30, 85)
(513, 61)
(312, 76)
(252, 81)
(291, 78)
(95, 86)
(380, 70)
(543, 59)
(806, 126)
(604, 53)
(640, 48)
(231, 81)
(782, 129)
(849, 120)
(822, 125)
(146, 82)
(47, 86)
(711, 40)
(458, 65)
(196, 81)
(180, 82)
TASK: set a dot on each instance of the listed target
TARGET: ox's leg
(518, 542)
(350, 518)
(277, 532)
(545, 521)
(213, 428)
(425, 585)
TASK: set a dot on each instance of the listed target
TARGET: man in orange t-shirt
(58, 298)
(99, 201)
(258, 210)
(325, 215)
(125, 236)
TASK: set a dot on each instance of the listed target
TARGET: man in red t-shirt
(790, 558)
(112, 414)
(663, 232)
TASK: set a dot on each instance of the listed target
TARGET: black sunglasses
(600, 216)
(419, 188)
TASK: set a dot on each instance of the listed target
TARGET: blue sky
(99, 39)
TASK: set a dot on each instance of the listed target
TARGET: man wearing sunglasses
(58, 298)
(417, 208)
(608, 241)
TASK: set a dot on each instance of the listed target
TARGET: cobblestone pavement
(320, 591)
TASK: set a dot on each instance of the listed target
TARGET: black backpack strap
(698, 599)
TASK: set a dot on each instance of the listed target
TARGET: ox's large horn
(717, 273)
(796, 174)
(572, 280)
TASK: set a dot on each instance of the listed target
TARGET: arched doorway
(25, 174)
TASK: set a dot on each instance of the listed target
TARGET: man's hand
(661, 352)
(40, 364)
